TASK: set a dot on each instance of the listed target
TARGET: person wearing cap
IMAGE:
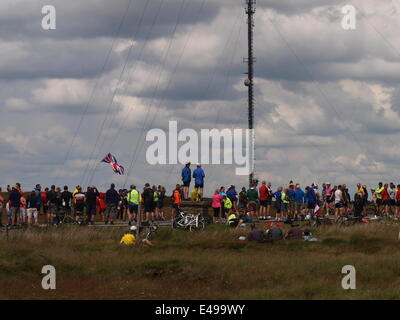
(129, 238)
(186, 178)
(198, 175)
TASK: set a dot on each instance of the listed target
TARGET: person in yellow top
(227, 204)
(285, 203)
(133, 199)
(129, 238)
(195, 195)
(378, 195)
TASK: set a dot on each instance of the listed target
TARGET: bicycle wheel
(199, 227)
(68, 220)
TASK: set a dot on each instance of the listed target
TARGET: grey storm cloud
(327, 100)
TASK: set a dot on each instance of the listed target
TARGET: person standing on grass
(216, 205)
(112, 199)
(284, 203)
(199, 176)
(263, 197)
(385, 199)
(252, 197)
(51, 198)
(299, 201)
(1, 209)
(243, 198)
(66, 197)
(278, 202)
(290, 196)
(38, 191)
(176, 201)
(23, 214)
(160, 203)
(45, 202)
(91, 196)
(148, 197)
(311, 200)
(101, 205)
(133, 199)
(79, 200)
(186, 178)
(32, 211)
(398, 201)
(378, 196)
(227, 205)
(232, 195)
(339, 203)
(15, 205)
(392, 198)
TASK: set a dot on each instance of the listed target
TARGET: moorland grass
(91, 264)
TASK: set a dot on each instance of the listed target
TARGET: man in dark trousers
(91, 196)
(149, 205)
(112, 199)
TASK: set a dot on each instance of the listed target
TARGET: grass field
(90, 264)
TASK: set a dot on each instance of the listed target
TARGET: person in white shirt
(339, 203)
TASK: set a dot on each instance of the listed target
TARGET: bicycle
(147, 228)
(317, 221)
(347, 220)
(192, 222)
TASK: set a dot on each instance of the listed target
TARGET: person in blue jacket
(186, 178)
(311, 200)
(299, 200)
(199, 176)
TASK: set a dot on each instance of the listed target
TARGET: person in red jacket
(385, 199)
(101, 205)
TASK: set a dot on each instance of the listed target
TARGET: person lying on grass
(295, 232)
(274, 233)
(256, 234)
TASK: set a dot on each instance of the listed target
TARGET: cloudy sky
(327, 99)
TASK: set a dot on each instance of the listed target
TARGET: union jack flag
(114, 163)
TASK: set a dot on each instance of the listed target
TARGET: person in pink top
(216, 205)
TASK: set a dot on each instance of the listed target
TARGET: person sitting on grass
(256, 234)
(235, 221)
(129, 238)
